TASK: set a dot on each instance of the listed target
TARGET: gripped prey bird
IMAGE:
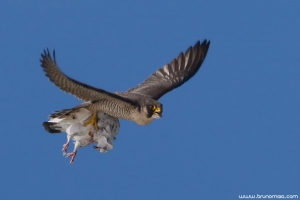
(139, 104)
(72, 124)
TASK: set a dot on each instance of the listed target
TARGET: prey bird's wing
(174, 74)
(82, 91)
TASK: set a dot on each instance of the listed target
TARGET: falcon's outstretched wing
(80, 90)
(174, 74)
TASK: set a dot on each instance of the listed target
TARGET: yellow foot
(93, 121)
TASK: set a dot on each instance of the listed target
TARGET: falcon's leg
(65, 146)
(93, 121)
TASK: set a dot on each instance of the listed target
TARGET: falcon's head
(152, 109)
(155, 111)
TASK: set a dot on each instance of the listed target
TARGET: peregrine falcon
(139, 104)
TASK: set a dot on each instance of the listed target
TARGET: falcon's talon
(93, 121)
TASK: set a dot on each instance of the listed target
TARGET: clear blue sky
(232, 129)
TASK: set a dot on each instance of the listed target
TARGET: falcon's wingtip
(47, 55)
(206, 43)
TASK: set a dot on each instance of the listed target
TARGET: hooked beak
(157, 113)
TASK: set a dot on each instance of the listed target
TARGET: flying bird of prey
(139, 104)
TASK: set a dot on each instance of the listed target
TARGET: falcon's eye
(152, 107)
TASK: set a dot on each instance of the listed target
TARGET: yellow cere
(157, 109)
